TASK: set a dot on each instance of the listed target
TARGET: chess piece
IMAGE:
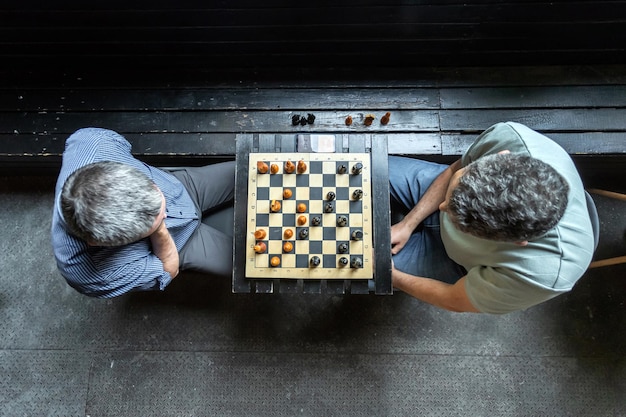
(341, 169)
(274, 169)
(301, 220)
(329, 208)
(310, 118)
(343, 261)
(357, 168)
(315, 261)
(260, 234)
(301, 168)
(261, 167)
(356, 234)
(288, 233)
(342, 247)
(330, 196)
(295, 119)
(369, 118)
(342, 221)
(357, 194)
(349, 121)
(316, 221)
(275, 261)
(260, 247)
(275, 206)
(385, 119)
(301, 208)
(287, 193)
(287, 247)
(304, 233)
(289, 167)
(303, 121)
(356, 262)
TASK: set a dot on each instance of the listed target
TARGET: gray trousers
(212, 188)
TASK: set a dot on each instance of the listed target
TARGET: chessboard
(309, 216)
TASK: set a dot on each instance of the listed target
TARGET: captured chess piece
(310, 118)
(316, 221)
(343, 261)
(289, 167)
(342, 221)
(295, 119)
(357, 168)
(357, 194)
(356, 234)
(315, 261)
(304, 233)
(385, 119)
(330, 196)
(369, 118)
(356, 262)
(261, 167)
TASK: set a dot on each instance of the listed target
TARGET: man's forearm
(164, 248)
(432, 198)
(447, 296)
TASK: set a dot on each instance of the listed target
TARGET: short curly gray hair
(507, 197)
(109, 203)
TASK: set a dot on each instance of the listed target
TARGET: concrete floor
(198, 350)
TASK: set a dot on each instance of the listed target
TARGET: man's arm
(447, 296)
(427, 205)
(164, 248)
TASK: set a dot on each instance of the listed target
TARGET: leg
(208, 250)
(209, 186)
(424, 254)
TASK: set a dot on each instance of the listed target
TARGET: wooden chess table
(312, 221)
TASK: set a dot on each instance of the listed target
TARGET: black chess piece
(330, 196)
(356, 235)
(315, 261)
(295, 119)
(329, 208)
(310, 118)
(342, 247)
(356, 262)
(357, 194)
(303, 121)
(304, 233)
(316, 221)
(342, 221)
(343, 261)
(357, 168)
(342, 169)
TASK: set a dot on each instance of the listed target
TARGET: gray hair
(510, 198)
(109, 203)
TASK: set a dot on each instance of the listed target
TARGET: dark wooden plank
(534, 97)
(239, 282)
(575, 143)
(302, 99)
(539, 119)
(382, 224)
(212, 122)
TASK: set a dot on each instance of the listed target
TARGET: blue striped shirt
(106, 272)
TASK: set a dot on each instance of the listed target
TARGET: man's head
(505, 197)
(111, 204)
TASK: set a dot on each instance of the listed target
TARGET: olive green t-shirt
(504, 277)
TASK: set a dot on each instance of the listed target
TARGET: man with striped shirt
(121, 225)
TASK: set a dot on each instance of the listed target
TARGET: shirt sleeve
(499, 137)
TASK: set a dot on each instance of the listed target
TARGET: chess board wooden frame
(320, 177)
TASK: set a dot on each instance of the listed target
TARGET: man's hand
(164, 248)
(400, 234)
